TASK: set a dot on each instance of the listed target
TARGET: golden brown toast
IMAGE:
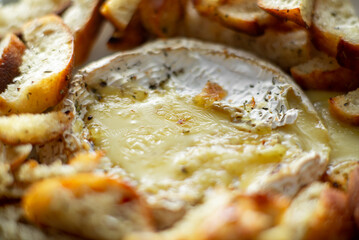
(40, 86)
(84, 28)
(241, 15)
(335, 31)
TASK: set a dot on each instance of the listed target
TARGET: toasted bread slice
(240, 15)
(284, 46)
(45, 70)
(11, 51)
(97, 197)
(324, 73)
(317, 212)
(16, 13)
(33, 128)
(161, 19)
(335, 31)
(346, 107)
(298, 11)
(84, 28)
(348, 47)
(134, 35)
(329, 19)
(119, 12)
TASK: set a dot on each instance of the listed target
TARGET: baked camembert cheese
(178, 118)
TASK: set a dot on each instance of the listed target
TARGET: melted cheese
(344, 138)
(175, 149)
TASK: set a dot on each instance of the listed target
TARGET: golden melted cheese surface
(173, 147)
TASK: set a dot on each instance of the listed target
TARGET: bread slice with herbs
(11, 52)
(346, 107)
(298, 11)
(319, 211)
(324, 73)
(45, 70)
(283, 46)
(15, 13)
(33, 128)
(240, 15)
(335, 30)
(84, 28)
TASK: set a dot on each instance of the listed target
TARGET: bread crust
(348, 55)
(10, 60)
(324, 41)
(332, 219)
(295, 13)
(85, 35)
